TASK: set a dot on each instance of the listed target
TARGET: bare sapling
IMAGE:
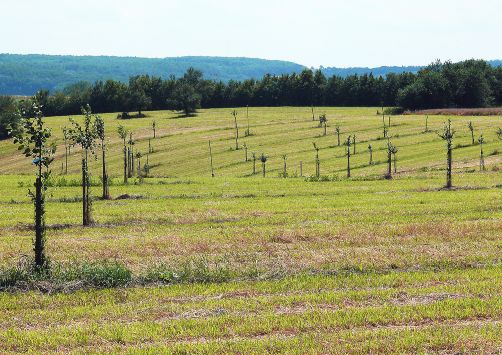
(245, 152)
(247, 133)
(123, 135)
(348, 156)
(234, 113)
(66, 149)
(317, 161)
(481, 141)
(211, 159)
(154, 129)
(285, 167)
(139, 155)
(354, 143)
(370, 150)
(99, 125)
(254, 162)
(337, 130)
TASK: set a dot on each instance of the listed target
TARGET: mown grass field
(277, 265)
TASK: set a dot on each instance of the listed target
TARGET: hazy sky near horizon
(316, 32)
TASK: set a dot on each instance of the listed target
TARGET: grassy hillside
(266, 264)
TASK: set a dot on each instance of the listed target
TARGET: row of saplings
(33, 139)
(34, 142)
(447, 135)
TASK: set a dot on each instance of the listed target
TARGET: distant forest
(24, 75)
(472, 83)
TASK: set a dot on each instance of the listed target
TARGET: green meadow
(250, 264)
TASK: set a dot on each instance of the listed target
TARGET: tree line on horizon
(471, 83)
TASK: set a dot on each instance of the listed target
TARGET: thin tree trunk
(448, 170)
(39, 220)
(106, 191)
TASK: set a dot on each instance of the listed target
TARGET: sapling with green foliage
(32, 138)
(234, 113)
(317, 161)
(499, 133)
(471, 128)
(348, 156)
(85, 136)
(263, 160)
(99, 125)
(447, 135)
(370, 149)
(337, 130)
(323, 122)
(123, 135)
(481, 141)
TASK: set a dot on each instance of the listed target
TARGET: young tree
(245, 151)
(254, 162)
(131, 155)
(370, 149)
(32, 137)
(247, 133)
(139, 155)
(390, 150)
(354, 143)
(85, 137)
(313, 115)
(263, 160)
(66, 149)
(471, 128)
(426, 123)
(481, 140)
(499, 133)
(337, 130)
(154, 128)
(123, 135)
(234, 113)
(394, 152)
(348, 156)
(317, 161)
(447, 135)
(323, 122)
(285, 167)
(385, 130)
(211, 159)
(150, 148)
(99, 125)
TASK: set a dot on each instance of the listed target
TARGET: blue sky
(316, 32)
